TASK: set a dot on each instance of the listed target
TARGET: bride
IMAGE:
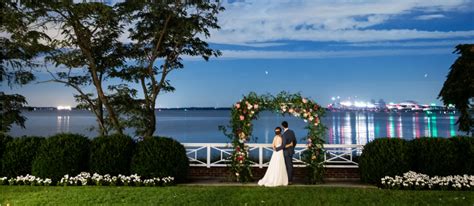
(276, 174)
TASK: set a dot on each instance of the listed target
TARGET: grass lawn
(226, 195)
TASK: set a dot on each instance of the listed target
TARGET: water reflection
(363, 127)
(201, 126)
(62, 123)
(452, 131)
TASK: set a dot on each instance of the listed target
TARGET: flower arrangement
(248, 109)
(418, 181)
(85, 178)
(26, 180)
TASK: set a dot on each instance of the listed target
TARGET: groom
(288, 147)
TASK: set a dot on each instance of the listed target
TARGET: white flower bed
(413, 180)
(85, 178)
(26, 180)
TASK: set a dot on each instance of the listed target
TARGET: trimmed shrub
(4, 139)
(111, 155)
(465, 154)
(160, 157)
(62, 154)
(433, 156)
(383, 157)
(19, 155)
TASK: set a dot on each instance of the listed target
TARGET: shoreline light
(64, 108)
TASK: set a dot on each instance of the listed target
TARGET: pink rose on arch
(291, 110)
(304, 100)
(255, 106)
(242, 117)
(237, 105)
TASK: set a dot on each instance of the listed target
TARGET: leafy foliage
(458, 89)
(20, 43)
(111, 154)
(19, 155)
(160, 157)
(10, 111)
(248, 109)
(62, 154)
(384, 157)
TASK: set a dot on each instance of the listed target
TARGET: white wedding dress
(276, 173)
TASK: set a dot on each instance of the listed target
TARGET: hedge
(160, 157)
(111, 155)
(383, 157)
(465, 158)
(431, 156)
(62, 154)
(19, 155)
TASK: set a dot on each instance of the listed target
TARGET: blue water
(201, 126)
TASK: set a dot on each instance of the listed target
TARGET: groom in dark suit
(288, 147)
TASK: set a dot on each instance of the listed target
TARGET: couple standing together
(280, 168)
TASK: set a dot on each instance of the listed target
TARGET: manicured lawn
(226, 195)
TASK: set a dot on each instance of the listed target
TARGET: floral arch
(248, 109)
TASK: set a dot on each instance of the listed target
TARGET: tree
(89, 48)
(20, 44)
(93, 50)
(458, 89)
(160, 33)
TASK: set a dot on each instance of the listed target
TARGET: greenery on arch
(249, 108)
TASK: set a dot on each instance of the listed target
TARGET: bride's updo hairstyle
(277, 130)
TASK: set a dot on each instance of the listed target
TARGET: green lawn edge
(226, 195)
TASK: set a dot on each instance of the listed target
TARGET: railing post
(260, 156)
(208, 156)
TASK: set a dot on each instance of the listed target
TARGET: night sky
(394, 50)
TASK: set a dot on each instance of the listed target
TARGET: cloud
(261, 44)
(337, 20)
(323, 54)
(430, 17)
(451, 43)
(369, 35)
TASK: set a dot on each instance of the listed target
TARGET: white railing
(217, 154)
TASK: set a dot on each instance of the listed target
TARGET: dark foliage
(160, 157)
(111, 154)
(19, 155)
(62, 154)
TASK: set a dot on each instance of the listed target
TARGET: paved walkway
(220, 182)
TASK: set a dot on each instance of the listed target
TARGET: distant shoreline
(158, 109)
(440, 110)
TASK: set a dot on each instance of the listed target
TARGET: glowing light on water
(434, 126)
(390, 127)
(400, 127)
